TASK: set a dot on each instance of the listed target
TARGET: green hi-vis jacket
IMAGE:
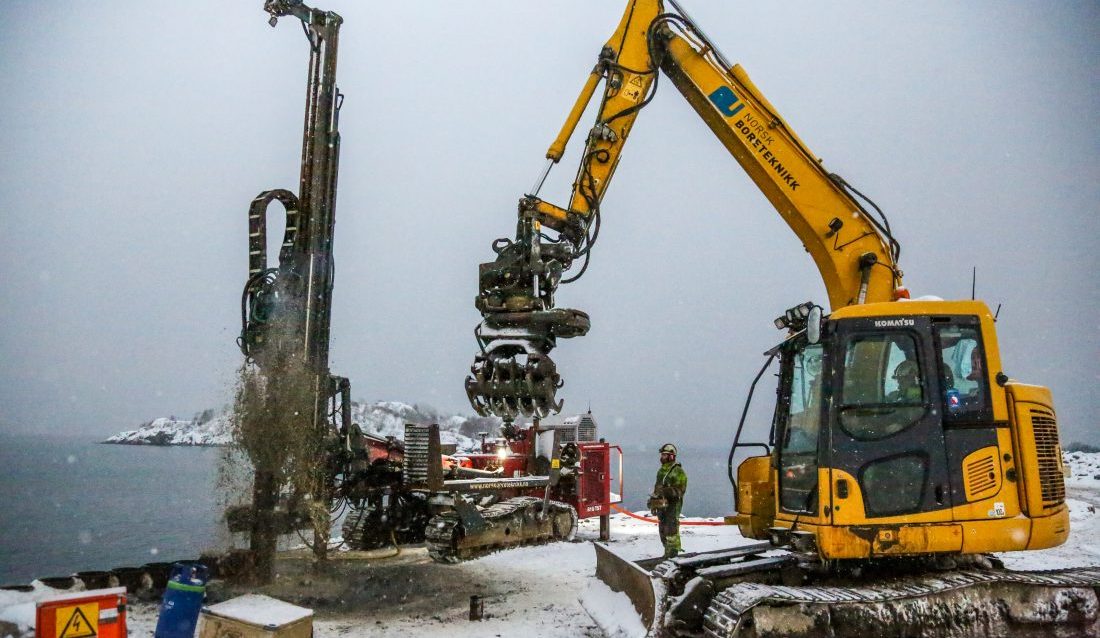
(671, 482)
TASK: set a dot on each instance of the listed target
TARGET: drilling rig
(529, 486)
(286, 308)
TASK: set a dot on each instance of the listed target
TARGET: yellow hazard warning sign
(632, 90)
(79, 621)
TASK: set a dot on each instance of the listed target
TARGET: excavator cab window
(800, 421)
(964, 383)
(886, 429)
(883, 391)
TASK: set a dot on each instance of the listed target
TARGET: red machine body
(417, 489)
(586, 468)
(594, 497)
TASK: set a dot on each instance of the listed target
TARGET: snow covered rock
(381, 418)
(172, 431)
(1084, 469)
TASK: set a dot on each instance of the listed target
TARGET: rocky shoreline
(211, 428)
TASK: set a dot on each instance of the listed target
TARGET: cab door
(798, 415)
(886, 445)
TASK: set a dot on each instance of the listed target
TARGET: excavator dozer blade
(632, 578)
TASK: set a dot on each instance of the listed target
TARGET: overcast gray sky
(135, 134)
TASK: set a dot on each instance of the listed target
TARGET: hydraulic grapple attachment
(514, 374)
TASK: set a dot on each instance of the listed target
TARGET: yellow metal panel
(1039, 456)
(918, 539)
(1016, 534)
(981, 473)
(1005, 501)
(838, 542)
(1003, 535)
(755, 497)
(841, 542)
(1050, 531)
(974, 537)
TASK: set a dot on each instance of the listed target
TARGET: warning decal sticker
(81, 621)
(632, 89)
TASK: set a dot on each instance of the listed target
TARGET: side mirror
(813, 325)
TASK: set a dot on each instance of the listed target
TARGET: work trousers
(668, 526)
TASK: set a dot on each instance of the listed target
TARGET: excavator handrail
(741, 426)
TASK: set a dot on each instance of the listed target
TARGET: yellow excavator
(898, 444)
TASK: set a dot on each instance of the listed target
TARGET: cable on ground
(648, 519)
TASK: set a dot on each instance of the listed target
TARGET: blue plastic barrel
(179, 611)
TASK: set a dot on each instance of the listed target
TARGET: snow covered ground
(553, 591)
(1083, 498)
(544, 589)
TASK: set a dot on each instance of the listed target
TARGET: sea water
(69, 503)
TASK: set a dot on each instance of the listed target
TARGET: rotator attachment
(280, 8)
(514, 374)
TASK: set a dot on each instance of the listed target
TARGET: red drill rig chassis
(529, 486)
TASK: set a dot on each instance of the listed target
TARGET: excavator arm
(854, 251)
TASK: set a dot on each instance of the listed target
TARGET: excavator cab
(892, 435)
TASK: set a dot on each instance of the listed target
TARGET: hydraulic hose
(648, 519)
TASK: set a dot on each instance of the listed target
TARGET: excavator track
(757, 590)
(947, 605)
(511, 523)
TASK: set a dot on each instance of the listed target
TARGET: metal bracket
(472, 520)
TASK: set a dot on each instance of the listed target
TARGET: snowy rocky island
(381, 418)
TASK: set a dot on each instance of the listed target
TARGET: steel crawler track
(520, 516)
(729, 613)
